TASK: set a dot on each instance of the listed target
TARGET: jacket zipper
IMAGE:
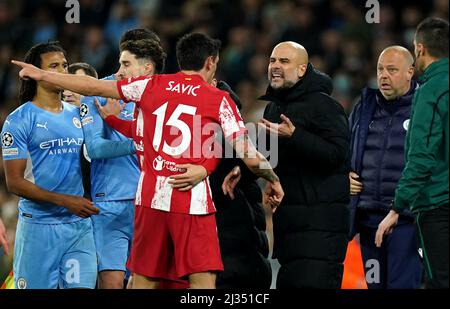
(383, 151)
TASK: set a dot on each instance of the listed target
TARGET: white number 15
(173, 121)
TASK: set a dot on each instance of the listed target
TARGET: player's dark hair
(86, 67)
(194, 48)
(432, 32)
(146, 49)
(139, 34)
(27, 90)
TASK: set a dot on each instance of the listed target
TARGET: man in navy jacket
(379, 123)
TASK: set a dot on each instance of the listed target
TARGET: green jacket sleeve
(423, 139)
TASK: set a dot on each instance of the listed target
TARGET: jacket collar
(437, 67)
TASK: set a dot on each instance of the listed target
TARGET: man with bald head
(379, 123)
(311, 224)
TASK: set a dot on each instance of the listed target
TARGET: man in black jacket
(312, 223)
(241, 223)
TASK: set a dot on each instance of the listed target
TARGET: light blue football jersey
(51, 143)
(112, 179)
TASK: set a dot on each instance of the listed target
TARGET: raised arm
(84, 85)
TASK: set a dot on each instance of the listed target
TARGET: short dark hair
(86, 67)
(146, 49)
(433, 33)
(27, 88)
(194, 48)
(139, 34)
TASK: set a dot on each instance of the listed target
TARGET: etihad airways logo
(62, 145)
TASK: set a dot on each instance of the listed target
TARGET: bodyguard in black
(312, 223)
(241, 224)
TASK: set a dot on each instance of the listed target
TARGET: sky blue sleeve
(93, 127)
(14, 139)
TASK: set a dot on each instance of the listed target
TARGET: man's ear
(150, 68)
(411, 72)
(209, 62)
(421, 49)
(302, 69)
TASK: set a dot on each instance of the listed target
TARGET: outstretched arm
(84, 85)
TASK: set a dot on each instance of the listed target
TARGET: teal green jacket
(424, 182)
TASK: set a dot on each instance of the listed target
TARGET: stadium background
(339, 40)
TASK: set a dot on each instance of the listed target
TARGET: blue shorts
(48, 256)
(113, 233)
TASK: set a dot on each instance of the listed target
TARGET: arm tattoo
(255, 161)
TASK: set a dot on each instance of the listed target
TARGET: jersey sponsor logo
(40, 125)
(76, 122)
(10, 152)
(159, 164)
(21, 284)
(84, 110)
(87, 120)
(406, 124)
(7, 139)
(62, 145)
(182, 88)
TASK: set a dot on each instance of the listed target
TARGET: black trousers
(433, 233)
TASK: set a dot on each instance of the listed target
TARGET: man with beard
(311, 226)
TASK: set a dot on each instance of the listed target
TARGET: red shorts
(172, 245)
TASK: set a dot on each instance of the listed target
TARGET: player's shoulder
(70, 108)
(215, 91)
(215, 95)
(22, 111)
(110, 77)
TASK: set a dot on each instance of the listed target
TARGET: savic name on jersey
(182, 88)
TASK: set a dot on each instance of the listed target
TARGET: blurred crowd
(339, 40)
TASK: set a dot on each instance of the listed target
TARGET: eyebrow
(389, 66)
(57, 63)
(281, 59)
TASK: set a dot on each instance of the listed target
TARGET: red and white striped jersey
(178, 117)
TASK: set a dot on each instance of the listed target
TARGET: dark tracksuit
(311, 225)
(424, 187)
(241, 225)
(378, 130)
